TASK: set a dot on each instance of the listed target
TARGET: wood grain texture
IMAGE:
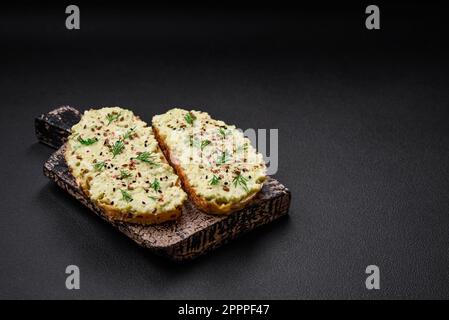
(195, 233)
(53, 128)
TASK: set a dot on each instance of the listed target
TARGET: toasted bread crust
(210, 207)
(146, 219)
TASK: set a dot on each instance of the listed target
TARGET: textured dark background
(363, 129)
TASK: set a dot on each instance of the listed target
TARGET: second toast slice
(219, 169)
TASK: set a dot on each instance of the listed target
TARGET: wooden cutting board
(195, 233)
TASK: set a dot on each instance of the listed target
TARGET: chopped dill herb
(88, 141)
(240, 180)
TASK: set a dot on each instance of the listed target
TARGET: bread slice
(218, 167)
(117, 162)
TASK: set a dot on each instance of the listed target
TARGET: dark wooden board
(195, 233)
(53, 128)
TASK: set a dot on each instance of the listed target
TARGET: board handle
(53, 128)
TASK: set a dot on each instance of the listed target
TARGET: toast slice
(118, 164)
(219, 169)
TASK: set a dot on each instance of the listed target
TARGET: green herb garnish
(204, 144)
(126, 196)
(214, 181)
(117, 148)
(146, 157)
(240, 180)
(153, 198)
(222, 131)
(189, 117)
(88, 141)
(98, 166)
(155, 185)
(223, 158)
(112, 117)
(124, 174)
(129, 133)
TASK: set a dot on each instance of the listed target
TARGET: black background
(363, 144)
